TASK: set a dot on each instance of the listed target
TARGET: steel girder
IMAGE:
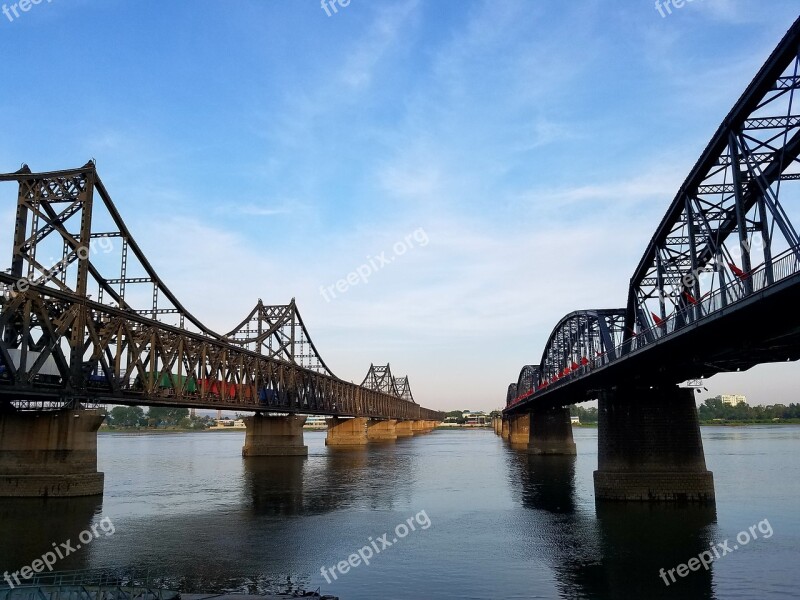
(511, 394)
(581, 340)
(528, 379)
(726, 234)
(279, 332)
(128, 359)
(379, 377)
(404, 388)
(73, 332)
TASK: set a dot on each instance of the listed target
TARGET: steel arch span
(718, 284)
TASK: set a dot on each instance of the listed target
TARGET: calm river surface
(499, 524)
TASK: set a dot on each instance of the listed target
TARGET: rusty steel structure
(717, 286)
(85, 319)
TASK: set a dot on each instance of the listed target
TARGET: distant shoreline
(148, 431)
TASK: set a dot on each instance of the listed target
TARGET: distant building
(732, 399)
(316, 422)
(575, 419)
(476, 418)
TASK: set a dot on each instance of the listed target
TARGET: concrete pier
(404, 428)
(274, 436)
(519, 430)
(418, 427)
(344, 433)
(382, 430)
(505, 429)
(650, 447)
(551, 432)
(50, 453)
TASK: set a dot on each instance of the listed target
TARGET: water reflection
(546, 482)
(616, 553)
(274, 484)
(638, 540)
(335, 480)
(56, 520)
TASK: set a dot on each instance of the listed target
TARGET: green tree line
(713, 409)
(156, 417)
(586, 415)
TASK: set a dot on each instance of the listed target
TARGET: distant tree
(161, 416)
(585, 415)
(455, 413)
(127, 416)
(714, 409)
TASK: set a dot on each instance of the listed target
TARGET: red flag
(659, 321)
(584, 361)
(574, 366)
(689, 297)
(737, 271)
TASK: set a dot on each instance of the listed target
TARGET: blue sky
(265, 149)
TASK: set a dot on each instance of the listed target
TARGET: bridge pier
(418, 426)
(50, 453)
(404, 429)
(347, 432)
(650, 448)
(519, 427)
(551, 432)
(382, 430)
(505, 429)
(274, 436)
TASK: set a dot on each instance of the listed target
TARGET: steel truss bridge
(718, 287)
(85, 319)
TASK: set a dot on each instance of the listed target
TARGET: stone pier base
(519, 430)
(404, 428)
(382, 431)
(50, 454)
(505, 429)
(274, 436)
(650, 447)
(551, 432)
(344, 433)
(418, 427)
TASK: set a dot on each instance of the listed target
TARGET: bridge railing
(783, 266)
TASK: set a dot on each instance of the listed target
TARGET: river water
(488, 522)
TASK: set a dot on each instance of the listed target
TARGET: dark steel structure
(84, 318)
(717, 288)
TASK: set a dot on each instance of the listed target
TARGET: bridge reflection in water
(613, 551)
(30, 526)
